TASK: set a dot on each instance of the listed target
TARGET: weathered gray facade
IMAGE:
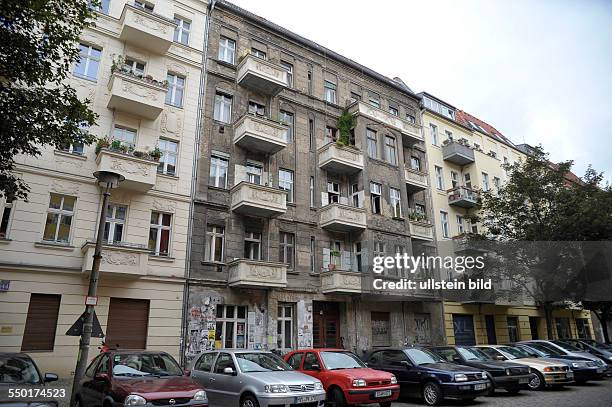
(319, 294)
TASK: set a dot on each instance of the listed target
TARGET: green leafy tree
(39, 45)
(346, 124)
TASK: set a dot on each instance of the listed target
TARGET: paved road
(592, 394)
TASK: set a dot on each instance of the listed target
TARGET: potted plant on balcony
(345, 125)
(103, 142)
(155, 153)
(117, 63)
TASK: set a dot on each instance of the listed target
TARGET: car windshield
(145, 364)
(471, 354)
(566, 346)
(423, 356)
(18, 370)
(341, 360)
(513, 353)
(260, 362)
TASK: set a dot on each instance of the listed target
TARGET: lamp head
(108, 178)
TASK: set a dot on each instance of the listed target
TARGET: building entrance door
(326, 324)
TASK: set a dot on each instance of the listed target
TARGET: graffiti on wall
(201, 324)
(256, 323)
(304, 322)
(422, 328)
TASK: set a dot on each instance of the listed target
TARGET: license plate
(382, 393)
(600, 370)
(304, 399)
(524, 381)
(480, 386)
(570, 375)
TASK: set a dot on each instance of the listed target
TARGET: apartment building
(289, 211)
(140, 67)
(466, 156)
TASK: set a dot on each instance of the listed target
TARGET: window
(415, 163)
(311, 135)
(101, 7)
(6, 210)
(381, 329)
(286, 251)
(284, 327)
(89, 60)
(411, 118)
(312, 192)
(214, 243)
(285, 182)
(513, 329)
(41, 323)
(356, 200)
(258, 53)
(218, 172)
(496, 183)
(181, 32)
(287, 119)
(393, 111)
(374, 100)
(309, 78)
(485, 181)
(355, 96)
(252, 245)
(59, 218)
(167, 162)
(289, 68)
(76, 148)
(433, 130)
(144, 5)
(295, 360)
(115, 223)
(460, 227)
(390, 154)
(454, 179)
(311, 362)
(176, 87)
(358, 257)
(492, 153)
(127, 137)
(313, 247)
(227, 50)
(563, 328)
(396, 202)
(336, 253)
(439, 178)
(419, 208)
(372, 149)
(256, 108)
(330, 92)
(333, 192)
(230, 331)
(449, 135)
(582, 328)
(254, 173)
(223, 108)
(472, 226)
(224, 361)
(331, 134)
(467, 180)
(379, 249)
(133, 66)
(375, 197)
(159, 233)
(445, 228)
(205, 363)
(439, 108)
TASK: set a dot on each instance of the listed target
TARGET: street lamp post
(107, 180)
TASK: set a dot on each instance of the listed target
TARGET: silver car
(567, 349)
(250, 378)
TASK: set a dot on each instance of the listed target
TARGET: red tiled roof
(465, 118)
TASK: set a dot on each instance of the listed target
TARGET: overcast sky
(538, 71)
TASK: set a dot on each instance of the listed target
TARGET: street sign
(91, 301)
(77, 328)
(5, 285)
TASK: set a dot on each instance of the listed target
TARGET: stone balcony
(131, 94)
(140, 173)
(415, 180)
(259, 134)
(463, 197)
(340, 159)
(146, 30)
(127, 260)
(342, 218)
(340, 282)
(258, 200)
(410, 132)
(421, 230)
(245, 273)
(262, 76)
(457, 153)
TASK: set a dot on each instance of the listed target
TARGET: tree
(39, 45)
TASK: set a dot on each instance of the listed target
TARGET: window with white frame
(88, 63)
(223, 108)
(313, 247)
(379, 249)
(218, 172)
(312, 192)
(390, 150)
(159, 233)
(375, 197)
(230, 326)
(497, 184)
(485, 182)
(374, 100)
(333, 192)
(133, 66)
(258, 53)
(252, 245)
(331, 134)
(215, 237)
(6, 216)
(76, 148)
(330, 92)
(394, 111)
(285, 182)
(433, 131)
(145, 5)
(439, 178)
(289, 68)
(167, 161)
(336, 253)
(286, 249)
(355, 198)
(181, 32)
(284, 330)
(449, 135)
(126, 136)
(176, 88)
(287, 119)
(454, 179)
(254, 173)
(227, 50)
(115, 223)
(467, 180)
(445, 226)
(256, 108)
(372, 148)
(396, 202)
(415, 163)
(460, 226)
(59, 218)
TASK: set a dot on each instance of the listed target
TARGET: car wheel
(249, 401)
(491, 390)
(432, 394)
(337, 397)
(537, 381)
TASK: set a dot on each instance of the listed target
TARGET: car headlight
(610, 357)
(359, 383)
(484, 375)
(134, 400)
(393, 380)
(276, 388)
(200, 395)
(318, 386)
(578, 364)
(461, 377)
(529, 370)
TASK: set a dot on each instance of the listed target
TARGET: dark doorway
(533, 326)
(326, 324)
(463, 327)
(490, 325)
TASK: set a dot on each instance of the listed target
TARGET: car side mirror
(187, 372)
(229, 371)
(456, 359)
(315, 367)
(102, 377)
(406, 364)
(50, 377)
(500, 357)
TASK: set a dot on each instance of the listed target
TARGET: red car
(137, 378)
(346, 379)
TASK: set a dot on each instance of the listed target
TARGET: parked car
(249, 378)
(545, 372)
(137, 378)
(600, 350)
(18, 371)
(346, 379)
(509, 376)
(422, 373)
(584, 369)
(569, 349)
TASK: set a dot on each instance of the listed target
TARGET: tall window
(227, 50)
(289, 68)
(176, 87)
(467, 180)
(358, 257)
(127, 137)
(311, 134)
(252, 245)
(396, 202)
(356, 201)
(256, 108)
(433, 129)
(331, 134)
(485, 182)
(375, 197)
(285, 182)
(214, 243)
(372, 149)
(287, 118)
(6, 210)
(460, 226)
(254, 173)
(286, 250)
(312, 192)
(513, 329)
(390, 153)
(59, 218)
(582, 328)
(167, 162)
(496, 184)
(231, 326)
(181, 32)
(115, 223)
(454, 179)
(159, 233)
(415, 163)
(89, 61)
(313, 247)
(445, 227)
(439, 178)
(223, 108)
(309, 79)
(218, 172)
(449, 135)
(330, 92)
(333, 192)
(379, 249)
(285, 327)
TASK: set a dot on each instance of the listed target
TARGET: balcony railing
(463, 197)
(340, 159)
(261, 76)
(260, 134)
(342, 218)
(140, 173)
(415, 180)
(258, 200)
(119, 259)
(457, 153)
(146, 30)
(247, 273)
(421, 230)
(135, 95)
(410, 132)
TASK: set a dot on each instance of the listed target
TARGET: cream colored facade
(33, 265)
